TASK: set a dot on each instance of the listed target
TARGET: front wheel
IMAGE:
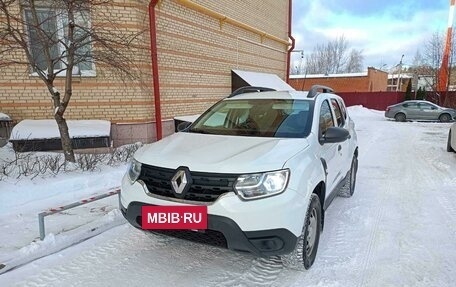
(400, 117)
(348, 188)
(449, 148)
(305, 251)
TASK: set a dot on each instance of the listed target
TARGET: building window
(53, 25)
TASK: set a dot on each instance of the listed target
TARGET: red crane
(443, 72)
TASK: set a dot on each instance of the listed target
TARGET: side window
(425, 106)
(326, 119)
(342, 108)
(339, 118)
(410, 106)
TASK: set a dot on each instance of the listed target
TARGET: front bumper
(389, 114)
(227, 233)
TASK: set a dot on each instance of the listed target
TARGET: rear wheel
(444, 118)
(305, 251)
(400, 117)
(449, 148)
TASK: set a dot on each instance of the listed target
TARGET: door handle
(339, 147)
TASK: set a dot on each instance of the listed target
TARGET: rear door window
(342, 108)
(338, 113)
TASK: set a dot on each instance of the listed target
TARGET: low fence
(72, 205)
(381, 100)
(372, 100)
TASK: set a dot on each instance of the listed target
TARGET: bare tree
(355, 61)
(58, 39)
(428, 62)
(334, 57)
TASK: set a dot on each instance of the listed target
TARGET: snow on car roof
(286, 95)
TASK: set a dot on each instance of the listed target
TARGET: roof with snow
(403, 76)
(343, 75)
(4, 117)
(256, 79)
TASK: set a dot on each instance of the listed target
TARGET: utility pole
(398, 84)
(442, 84)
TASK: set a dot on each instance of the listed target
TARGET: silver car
(419, 110)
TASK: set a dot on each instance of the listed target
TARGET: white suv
(266, 164)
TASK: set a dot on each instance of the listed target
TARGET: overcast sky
(382, 29)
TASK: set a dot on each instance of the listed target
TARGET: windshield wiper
(199, 131)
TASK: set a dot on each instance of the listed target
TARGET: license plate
(174, 217)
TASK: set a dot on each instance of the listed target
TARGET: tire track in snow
(367, 258)
(369, 277)
(264, 272)
(447, 191)
(260, 272)
(93, 258)
(445, 195)
(416, 255)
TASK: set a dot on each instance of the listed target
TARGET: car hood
(450, 110)
(219, 153)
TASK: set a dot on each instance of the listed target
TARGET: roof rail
(249, 89)
(315, 88)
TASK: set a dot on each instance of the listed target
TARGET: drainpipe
(154, 59)
(290, 14)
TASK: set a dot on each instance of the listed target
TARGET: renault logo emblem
(181, 182)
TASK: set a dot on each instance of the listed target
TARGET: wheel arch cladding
(320, 191)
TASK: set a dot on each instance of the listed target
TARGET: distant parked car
(419, 110)
(451, 145)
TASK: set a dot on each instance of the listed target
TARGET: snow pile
(54, 243)
(22, 199)
(48, 129)
(360, 111)
(4, 117)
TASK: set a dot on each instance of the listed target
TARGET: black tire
(444, 118)
(349, 187)
(449, 148)
(306, 247)
(400, 117)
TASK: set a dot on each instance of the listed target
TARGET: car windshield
(257, 117)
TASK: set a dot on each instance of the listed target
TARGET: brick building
(199, 42)
(399, 82)
(373, 80)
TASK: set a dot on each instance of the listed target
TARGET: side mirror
(183, 126)
(335, 135)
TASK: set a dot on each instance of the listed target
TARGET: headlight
(258, 185)
(134, 170)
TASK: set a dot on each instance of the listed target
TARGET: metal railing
(51, 211)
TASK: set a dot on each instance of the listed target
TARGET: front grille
(206, 187)
(210, 237)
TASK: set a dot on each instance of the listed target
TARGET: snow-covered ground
(398, 229)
